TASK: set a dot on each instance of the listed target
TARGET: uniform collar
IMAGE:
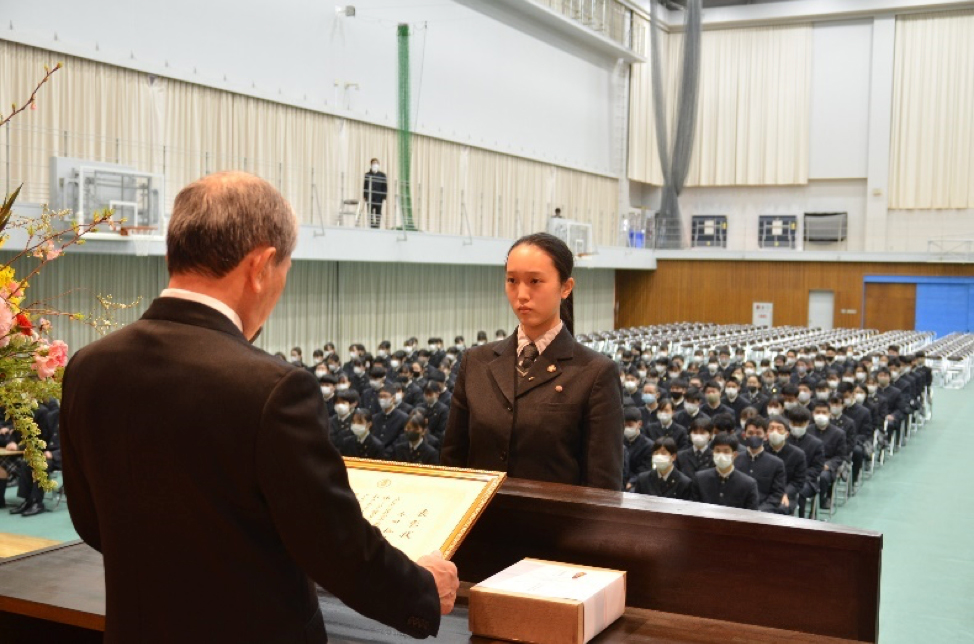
(206, 300)
(542, 343)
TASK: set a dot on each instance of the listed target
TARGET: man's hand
(784, 501)
(445, 576)
(12, 446)
(48, 455)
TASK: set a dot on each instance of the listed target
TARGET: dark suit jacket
(737, 491)
(676, 486)
(572, 435)
(219, 537)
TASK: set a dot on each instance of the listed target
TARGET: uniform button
(510, 409)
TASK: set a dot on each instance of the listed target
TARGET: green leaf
(7, 207)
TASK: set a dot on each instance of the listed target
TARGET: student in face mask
(481, 338)
(666, 427)
(712, 404)
(360, 442)
(724, 485)
(413, 446)
(400, 398)
(374, 192)
(317, 358)
(834, 444)
(691, 408)
(698, 456)
(389, 423)
(345, 403)
(639, 449)
(796, 470)
(650, 404)
(800, 436)
(765, 468)
(500, 334)
(327, 383)
(334, 364)
(664, 479)
(435, 411)
(296, 357)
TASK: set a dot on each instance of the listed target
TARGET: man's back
(213, 537)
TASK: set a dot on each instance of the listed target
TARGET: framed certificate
(421, 508)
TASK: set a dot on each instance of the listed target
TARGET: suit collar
(193, 313)
(546, 368)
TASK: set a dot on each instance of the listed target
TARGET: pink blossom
(12, 289)
(47, 251)
(7, 321)
(47, 359)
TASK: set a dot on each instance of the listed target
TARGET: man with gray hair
(222, 540)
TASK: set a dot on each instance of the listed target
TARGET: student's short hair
(835, 400)
(318, 353)
(388, 389)
(730, 440)
(679, 383)
(433, 387)
(711, 384)
(781, 420)
(664, 402)
(725, 423)
(349, 396)
(789, 390)
(631, 414)
(417, 418)
(845, 387)
(705, 424)
(756, 421)
(667, 443)
(378, 372)
(692, 394)
(363, 413)
(327, 379)
(800, 414)
(749, 412)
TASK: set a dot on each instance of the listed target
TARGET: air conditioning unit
(826, 227)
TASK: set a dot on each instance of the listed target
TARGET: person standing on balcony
(374, 193)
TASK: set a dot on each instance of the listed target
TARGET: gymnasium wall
(724, 291)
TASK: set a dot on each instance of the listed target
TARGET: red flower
(23, 322)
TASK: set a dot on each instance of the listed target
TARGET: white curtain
(99, 112)
(753, 111)
(342, 302)
(932, 137)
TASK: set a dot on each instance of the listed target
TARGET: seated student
(359, 441)
(834, 446)
(666, 427)
(677, 390)
(445, 396)
(804, 393)
(789, 396)
(650, 405)
(775, 407)
(711, 401)
(755, 394)
(822, 392)
(698, 456)
(724, 485)
(861, 430)
(630, 385)
(639, 449)
(725, 424)
(762, 466)
(796, 471)
(400, 398)
(800, 419)
(370, 395)
(412, 447)
(691, 408)
(327, 383)
(358, 378)
(664, 479)
(334, 364)
(346, 402)
(436, 412)
(734, 398)
(319, 368)
(875, 403)
(389, 424)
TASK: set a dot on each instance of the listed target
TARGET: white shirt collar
(206, 300)
(542, 343)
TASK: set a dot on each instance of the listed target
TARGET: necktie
(528, 355)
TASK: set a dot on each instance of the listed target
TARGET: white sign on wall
(763, 314)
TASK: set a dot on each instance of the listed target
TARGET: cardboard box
(545, 602)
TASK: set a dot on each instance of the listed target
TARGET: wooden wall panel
(723, 291)
(890, 307)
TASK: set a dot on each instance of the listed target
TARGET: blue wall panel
(944, 308)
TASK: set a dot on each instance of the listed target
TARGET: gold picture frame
(421, 508)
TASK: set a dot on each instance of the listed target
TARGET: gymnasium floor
(921, 501)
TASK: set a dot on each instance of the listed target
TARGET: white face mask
(342, 409)
(382, 353)
(821, 420)
(375, 167)
(822, 395)
(376, 384)
(662, 462)
(833, 384)
(642, 373)
(860, 398)
(630, 385)
(723, 461)
(386, 404)
(700, 440)
(777, 439)
(692, 408)
(664, 417)
(358, 371)
(398, 397)
(327, 392)
(342, 386)
(395, 364)
(798, 432)
(774, 411)
(790, 404)
(630, 433)
(804, 397)
(861, 376)
(749, 372)
(872, 389)
(321, 371)
(359, 430)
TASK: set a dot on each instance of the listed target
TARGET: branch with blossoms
(31, 363)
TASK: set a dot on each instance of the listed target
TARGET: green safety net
(405, 140)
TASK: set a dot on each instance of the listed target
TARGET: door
(821, 309)
(890, 307)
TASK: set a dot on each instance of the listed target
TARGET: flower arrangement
(31, 363)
